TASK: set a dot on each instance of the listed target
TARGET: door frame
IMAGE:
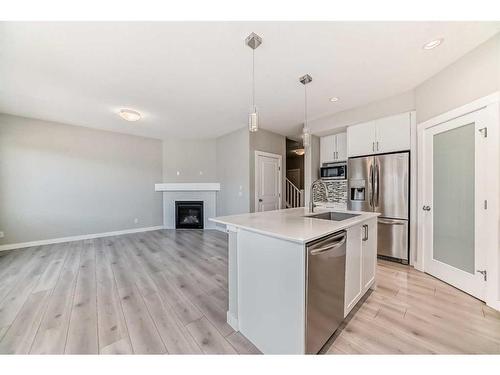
(256, 182)
(491, 118)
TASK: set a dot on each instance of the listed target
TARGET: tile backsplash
(335, 192)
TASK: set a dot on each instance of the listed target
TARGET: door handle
(260, 200)
(371, 186)
(390, 222)
(375, 185)
(330, 247)
(426, 208)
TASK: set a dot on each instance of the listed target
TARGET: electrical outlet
(136, 220)
(2, 235)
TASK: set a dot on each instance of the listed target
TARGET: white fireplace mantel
(194, 191)
(188, 186)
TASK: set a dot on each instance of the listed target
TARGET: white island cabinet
(267, 272)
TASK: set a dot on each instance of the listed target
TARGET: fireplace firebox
(189, 214)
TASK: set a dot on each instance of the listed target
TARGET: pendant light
(306, 135)
(253, 41)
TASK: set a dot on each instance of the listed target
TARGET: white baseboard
(76, 238)
(232, 321)
(220, 228)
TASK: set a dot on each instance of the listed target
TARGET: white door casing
(463, 271)
(268, 176)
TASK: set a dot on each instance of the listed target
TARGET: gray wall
(474, 75)
(59, 180)
(233, 172)
(266, 141)
(193, 159)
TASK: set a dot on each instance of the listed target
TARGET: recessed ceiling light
(129, 114)
(433, 43)
(334, 99)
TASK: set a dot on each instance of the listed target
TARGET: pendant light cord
(253, 78)
(305, 105)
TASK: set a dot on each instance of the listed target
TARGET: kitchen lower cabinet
(352, 268)
(361, 260)
(368, 254)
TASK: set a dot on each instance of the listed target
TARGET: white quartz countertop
(293, 224)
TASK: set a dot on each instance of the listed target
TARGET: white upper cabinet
(326, 148)
(333, 148)
(361, 139)
(393, 133)
(387, 134)
(341, 139)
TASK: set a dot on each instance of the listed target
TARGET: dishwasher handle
(334, 245)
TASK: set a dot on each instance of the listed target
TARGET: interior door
(267, 182)
(454, 217)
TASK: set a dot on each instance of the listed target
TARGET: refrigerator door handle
(375, 185)
(378, 183)
(370, 201)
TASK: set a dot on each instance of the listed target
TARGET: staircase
(294, 197)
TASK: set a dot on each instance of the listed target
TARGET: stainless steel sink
(335, 216)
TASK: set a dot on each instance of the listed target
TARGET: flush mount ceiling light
(253, 41)
(306, 135)
(334, 99)
(129, 114)
(433, 43)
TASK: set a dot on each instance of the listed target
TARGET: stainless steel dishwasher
(325, 289)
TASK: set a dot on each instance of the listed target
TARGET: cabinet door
(361, 139)
(353, 287)
(393, 133)
(327, 148)
(368, 253)
(341, 149)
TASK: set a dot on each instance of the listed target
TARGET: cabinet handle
(365, 229)
(377, 145)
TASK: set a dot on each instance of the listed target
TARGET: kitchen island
(293, 276)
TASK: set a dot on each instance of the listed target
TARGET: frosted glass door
(453, 216)
(453, 197)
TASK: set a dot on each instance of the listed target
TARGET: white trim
(188, 186)
(232, 321)
(77, 238)
(220, 227)
(413, 189)
(256, 182)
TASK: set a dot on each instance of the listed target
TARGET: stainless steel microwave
(333, 171)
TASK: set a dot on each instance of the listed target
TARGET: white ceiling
(193, 79)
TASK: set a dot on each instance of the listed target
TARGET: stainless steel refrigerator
(381, 184)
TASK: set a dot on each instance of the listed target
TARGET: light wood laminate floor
(166, 292)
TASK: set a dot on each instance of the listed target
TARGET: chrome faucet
(311, 198)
